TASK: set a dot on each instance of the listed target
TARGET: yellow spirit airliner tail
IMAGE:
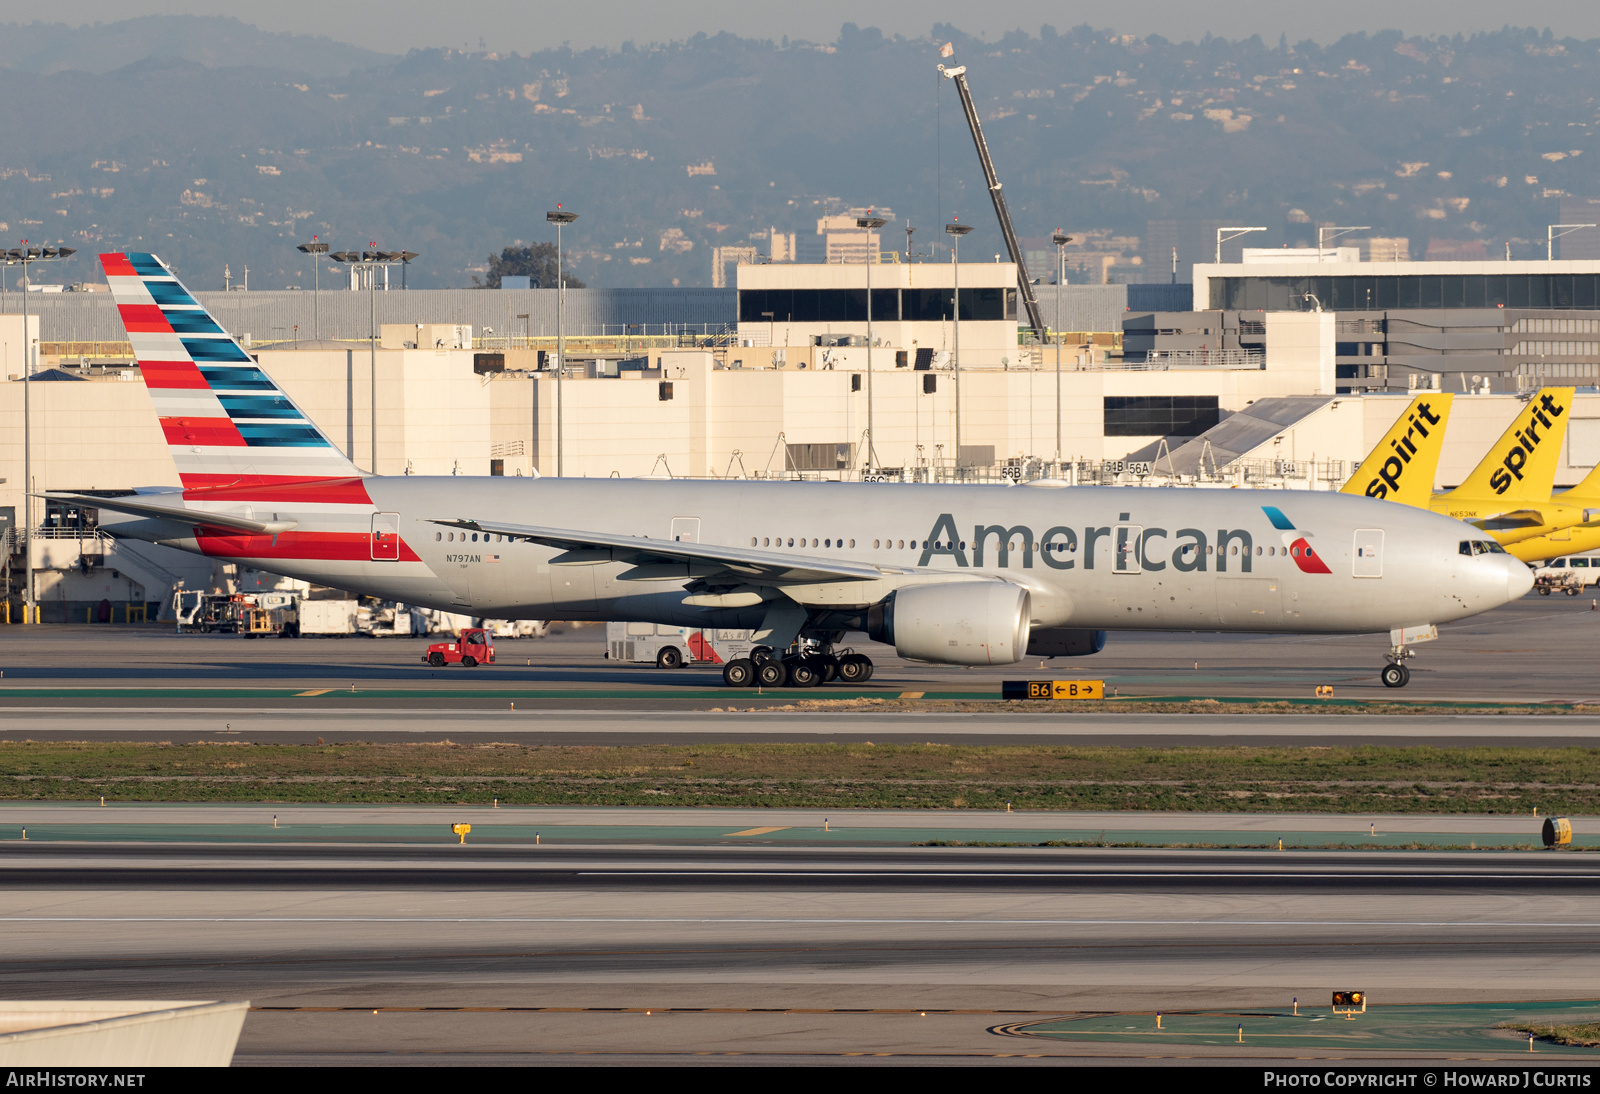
(1402, 466)
(1521, 467)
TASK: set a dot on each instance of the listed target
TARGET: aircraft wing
(745, 563)
(137, 505)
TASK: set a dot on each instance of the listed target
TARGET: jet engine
(1064, 642)
(960, 623)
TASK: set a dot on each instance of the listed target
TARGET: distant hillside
(232, 145)
(215, 41)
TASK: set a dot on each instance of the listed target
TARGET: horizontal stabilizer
(136, 505)
(1504, 522)
(750, 565)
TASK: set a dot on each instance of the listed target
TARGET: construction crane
(1029, 303)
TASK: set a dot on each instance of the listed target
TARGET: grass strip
(1172, 705)
(1198, 779)
(1584, 1035)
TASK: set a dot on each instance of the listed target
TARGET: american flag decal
(492, 558)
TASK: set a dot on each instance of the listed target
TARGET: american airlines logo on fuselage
(1294, 542)
(1124, 548)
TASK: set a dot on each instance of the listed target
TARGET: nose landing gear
(1395, 674)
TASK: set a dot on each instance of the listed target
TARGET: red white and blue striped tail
(229, 426)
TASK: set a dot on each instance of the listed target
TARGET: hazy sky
(525, 25)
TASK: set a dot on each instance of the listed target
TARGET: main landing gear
(802, 667)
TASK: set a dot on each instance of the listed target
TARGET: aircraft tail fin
(1521, 466)
(226, 421)
(1402, 466)
(1587, 490)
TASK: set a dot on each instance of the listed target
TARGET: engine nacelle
(960, 623)
(1063, 642)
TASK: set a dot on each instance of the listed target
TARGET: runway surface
(449, 955)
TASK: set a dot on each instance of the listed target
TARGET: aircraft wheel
(469, 662)
(739, 673)
(762, 654)
(669, 658)
(436, 660)
(1396, 676)
(871, 668)
(854, 669)
(771, 674)
(828, 666)
(803, 674)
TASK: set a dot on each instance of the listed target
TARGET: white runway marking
(734, 920)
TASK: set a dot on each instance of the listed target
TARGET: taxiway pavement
(450, 955)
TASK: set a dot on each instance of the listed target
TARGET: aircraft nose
(1519, 578)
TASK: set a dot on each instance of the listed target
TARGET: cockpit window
(1481, 547)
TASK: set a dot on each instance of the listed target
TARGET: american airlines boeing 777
(945, 573)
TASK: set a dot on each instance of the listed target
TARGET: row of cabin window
(888, 544)
(891, 544)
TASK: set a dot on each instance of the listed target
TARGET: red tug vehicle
(474, 647)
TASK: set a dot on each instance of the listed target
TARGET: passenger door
(1126, 546)
(386, 537)
(1367, 555)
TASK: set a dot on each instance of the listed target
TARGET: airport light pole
(956, 231)
(871, 224)
(316, 250)
(1235, 233)
(1330, 231)
(560, 217)
(26, 256)
(1061, 242)
(370, 261)
(1551, 235)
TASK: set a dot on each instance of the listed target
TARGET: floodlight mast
(1024, 284)
(371, 260)
(956, 231)
(871, 224)
(560, 217)
(316, 249)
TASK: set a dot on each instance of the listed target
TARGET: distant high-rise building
(843, 242)
(1383, 248)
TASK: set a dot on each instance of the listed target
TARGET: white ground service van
(672, 647)
(1569, 574)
